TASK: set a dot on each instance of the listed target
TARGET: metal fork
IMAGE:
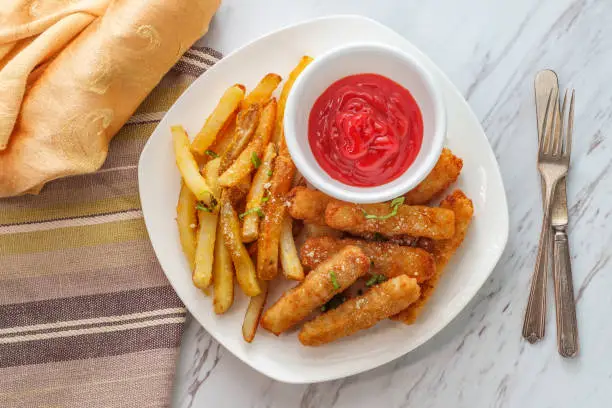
(553, 163)
(567, 326)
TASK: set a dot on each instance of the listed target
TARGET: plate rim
(448, 318)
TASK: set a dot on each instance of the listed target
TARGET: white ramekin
(361, 58)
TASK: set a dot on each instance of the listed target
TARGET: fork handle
(567, 326)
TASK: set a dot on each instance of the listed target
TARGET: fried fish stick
(443, 251)
(308, 205)
(418, 221)
(311, 230)
(363, 312)
(329, 279)
(445, 172)
(386, 259)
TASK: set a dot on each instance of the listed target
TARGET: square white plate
(284, 358)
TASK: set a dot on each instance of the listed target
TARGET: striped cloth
(87, 317)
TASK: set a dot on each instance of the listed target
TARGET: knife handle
(535, 315)
(567, 326)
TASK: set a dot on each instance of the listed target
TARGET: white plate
(283, 358)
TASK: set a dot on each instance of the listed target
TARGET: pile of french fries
(243, 211)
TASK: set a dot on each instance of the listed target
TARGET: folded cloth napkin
(87, 318)
(73, 71)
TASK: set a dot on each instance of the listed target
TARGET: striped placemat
(87, 317)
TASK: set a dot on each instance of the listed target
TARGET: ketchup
(365, 130)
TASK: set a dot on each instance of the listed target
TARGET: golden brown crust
(418, 221)
(317, 289)
(385, 258)
(308, 205)
(443, 251)
(445, 172)
(378, 303)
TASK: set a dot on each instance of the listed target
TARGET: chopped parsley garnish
(395, 203)
(334, 302)
(255, 160)
(334, 280)
(211, 154)
(265, 199)
(208, 208)
(269, 172)
(375, 280)
(256, 210)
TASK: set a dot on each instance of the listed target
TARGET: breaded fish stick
(308, 205)
(443, 251)
(386, 259)
(445, 172)
(418, 221)
(319, 286)
(378, 303)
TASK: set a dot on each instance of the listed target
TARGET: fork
(567, 327)
(553, 163)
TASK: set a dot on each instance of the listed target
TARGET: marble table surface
(491, 50)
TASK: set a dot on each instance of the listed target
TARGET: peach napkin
(71, 74)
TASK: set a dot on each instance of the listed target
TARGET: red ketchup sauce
(365, 130)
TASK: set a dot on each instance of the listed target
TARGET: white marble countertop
(491, 50)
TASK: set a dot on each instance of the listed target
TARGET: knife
(567, 332)
(534, 324)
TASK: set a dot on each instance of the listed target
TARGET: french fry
(263, 91)
(250, 158)
(290, 261)
(418, 221)
(250, 222)
(211, 175)
(246, 123)
(189, 168)
(186, 220)
(245, 270)
(298, 180)
(442, 251)
(223, 275)
(279, 129)
(203, 271)
(253, 313)
(445, 172)
(229, 102)
(223, 140)
(274, 211)
(243, 186)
